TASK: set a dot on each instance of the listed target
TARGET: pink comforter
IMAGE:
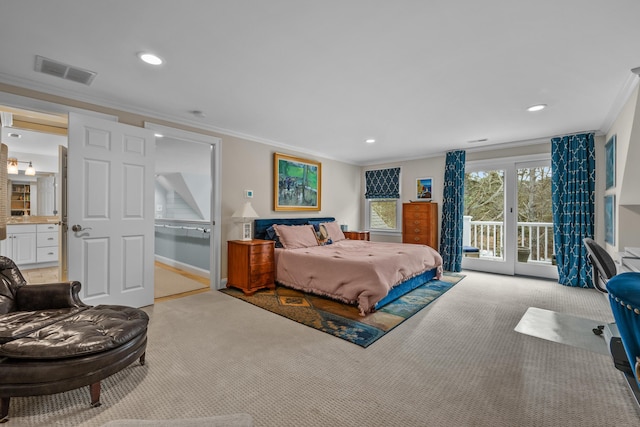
(354, 271)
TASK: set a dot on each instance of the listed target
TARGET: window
(382, 196)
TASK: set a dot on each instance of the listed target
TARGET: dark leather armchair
(50, 341)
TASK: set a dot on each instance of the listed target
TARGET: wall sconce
(12, 167)
(244, 215)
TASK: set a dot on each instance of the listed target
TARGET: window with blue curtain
(382, 184)
(573, 195)
(382, 194)
(453, 211)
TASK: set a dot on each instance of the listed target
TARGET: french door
(507, 222)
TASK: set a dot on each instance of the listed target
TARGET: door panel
(111, 187)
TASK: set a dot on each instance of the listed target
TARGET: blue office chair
(624, 296)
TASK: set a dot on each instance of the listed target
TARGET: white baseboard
(182, 266)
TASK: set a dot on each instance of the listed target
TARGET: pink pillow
(296, 236)
(335, 233)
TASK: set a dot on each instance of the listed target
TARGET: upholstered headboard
(260, 225)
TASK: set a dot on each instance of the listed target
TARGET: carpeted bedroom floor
(457, 362)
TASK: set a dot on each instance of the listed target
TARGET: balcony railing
(535, 240)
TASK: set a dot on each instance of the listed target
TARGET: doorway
(508, 226)
(29, 104)
(33, 140)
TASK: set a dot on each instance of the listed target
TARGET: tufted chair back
(10, 280)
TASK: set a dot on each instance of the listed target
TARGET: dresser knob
(416, 230)
(417, 239)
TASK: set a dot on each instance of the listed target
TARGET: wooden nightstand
(357, 235)
(250, 265)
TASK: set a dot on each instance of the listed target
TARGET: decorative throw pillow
(335, 233)
(296, 236)
(270, 234)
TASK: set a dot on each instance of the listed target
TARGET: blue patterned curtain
(452, 211)
(573, 186)
(382, 184)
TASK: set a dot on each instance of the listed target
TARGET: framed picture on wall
(423, 189)
(610, 219)
(296, 183)
(610, 159)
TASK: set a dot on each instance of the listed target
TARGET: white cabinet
(47, 243)
(31, 244)
(20, 244)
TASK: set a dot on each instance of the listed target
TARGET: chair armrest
(48, 296)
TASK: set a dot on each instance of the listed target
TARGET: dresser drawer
(47, 254)
(261, 255)
(44, 228)
(420, 239)
(416, 215)
(47, 239)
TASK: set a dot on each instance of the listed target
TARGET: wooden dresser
(250, 265)
(420, 223)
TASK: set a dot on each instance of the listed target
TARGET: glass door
(486, 219)
(508, 226)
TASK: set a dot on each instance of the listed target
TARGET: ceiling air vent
(67, 72)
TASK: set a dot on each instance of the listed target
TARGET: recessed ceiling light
(537, 107)
(198, 113)
(158, 135)
(150, 58)
(14, 135)
(370, 141)
(475, 141)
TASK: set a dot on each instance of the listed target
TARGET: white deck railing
(537, 237)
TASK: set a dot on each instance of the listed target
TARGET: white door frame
(216, 202)
(509, 266)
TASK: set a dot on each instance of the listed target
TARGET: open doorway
(182, 217)
(33, 140)
(187, 212)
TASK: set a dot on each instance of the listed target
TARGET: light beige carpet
(169, 283)
(456, 363)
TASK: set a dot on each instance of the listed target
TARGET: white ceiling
(421, 77)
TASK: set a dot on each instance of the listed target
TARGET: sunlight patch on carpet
(343, 320)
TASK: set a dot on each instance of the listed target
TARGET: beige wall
(246, 165)
(627, 189)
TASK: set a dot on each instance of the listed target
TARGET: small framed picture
(610, 219)
(610, 159)
(423, 189)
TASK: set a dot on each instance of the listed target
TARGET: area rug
(343, 320)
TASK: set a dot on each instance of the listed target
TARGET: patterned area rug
(342, 320)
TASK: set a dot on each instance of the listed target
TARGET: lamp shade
(245, 212)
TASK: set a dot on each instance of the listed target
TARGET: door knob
(77, 227)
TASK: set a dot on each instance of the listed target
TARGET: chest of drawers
(420, 223)
(251, 265)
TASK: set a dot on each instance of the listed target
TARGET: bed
(367, 274)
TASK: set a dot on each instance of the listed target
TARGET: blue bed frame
(261, 226)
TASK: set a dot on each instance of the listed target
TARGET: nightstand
(250, 265)
(357, 235)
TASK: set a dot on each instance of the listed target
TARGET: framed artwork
(423, 189)
(610, 219)
(296, 183)
(610, 159)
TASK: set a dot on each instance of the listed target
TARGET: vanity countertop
(19, 220)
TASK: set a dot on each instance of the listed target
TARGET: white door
(110, 211)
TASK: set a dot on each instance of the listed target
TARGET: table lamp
(244, 215)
